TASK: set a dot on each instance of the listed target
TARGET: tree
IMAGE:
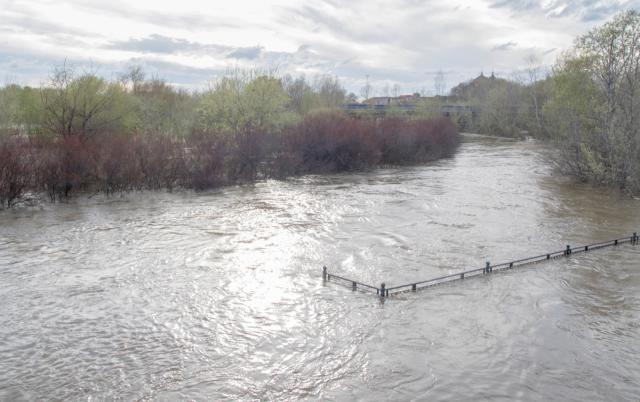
(331, 94)
(600, 83)
(614, 50)
(300, 93)
(84, 105)
(8, 108)
(535, 87)
(396, 90)
(365, 91)
(162, 110)
(243, 100)
(134, 75)
(572, 114)
(439, 83)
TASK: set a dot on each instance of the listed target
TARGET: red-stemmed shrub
(334, 142)
(116, 163)
(329, 142)
(204, 162)
(15, 170)
(161, 161)
(405, 141)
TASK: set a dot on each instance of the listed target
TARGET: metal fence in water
(384, 291)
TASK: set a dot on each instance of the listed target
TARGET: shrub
(334, 142)
(14, 170)
(110, 163)
(204, 161)
(405, 141)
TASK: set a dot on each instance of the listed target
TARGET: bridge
(445, 110)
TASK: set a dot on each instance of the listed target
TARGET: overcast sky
(190, 43)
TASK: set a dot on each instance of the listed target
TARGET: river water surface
(219, 295)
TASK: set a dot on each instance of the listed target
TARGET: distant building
(477, 87)
(378, 100)
(402, 100)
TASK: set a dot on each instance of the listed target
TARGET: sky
(189, 43)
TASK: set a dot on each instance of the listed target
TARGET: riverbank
(61, 167)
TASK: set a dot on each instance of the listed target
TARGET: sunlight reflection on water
(219, 295)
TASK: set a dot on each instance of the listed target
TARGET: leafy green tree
(598, 87)
(162, 110)
(237, 103)
(84, 105)
(20, 110)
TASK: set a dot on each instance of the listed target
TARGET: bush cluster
(115, 163)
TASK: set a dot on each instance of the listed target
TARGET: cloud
(518, 5)
(156, 47)
(338, 21)
(190, 44)
(182, 19)
(585, 10)
(504, 46)
(25, 67)
(16, 20)
(249, 53)
(160, 44)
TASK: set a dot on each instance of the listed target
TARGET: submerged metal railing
(384, 291)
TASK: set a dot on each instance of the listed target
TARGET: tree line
(82, 103)
(82, 133)
(587, 104)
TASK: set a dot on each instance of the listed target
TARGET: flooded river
(219, 295)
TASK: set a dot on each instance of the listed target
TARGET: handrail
(383, 291)
(354, 284)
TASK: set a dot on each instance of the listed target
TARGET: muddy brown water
(219, 295)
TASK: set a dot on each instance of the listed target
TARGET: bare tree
(330, 92)
(439, 83)
(60, 101)
(534, 72)
(386, 90)
(365, 91)
(135, 75)
(396, 90)
(300, 93)
(78, 105)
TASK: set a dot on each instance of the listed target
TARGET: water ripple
(216, 295)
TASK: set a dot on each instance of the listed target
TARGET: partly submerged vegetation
(86, 134)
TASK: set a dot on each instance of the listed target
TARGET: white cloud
(190, 42)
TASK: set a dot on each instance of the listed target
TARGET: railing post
(383, 290)
(413, 287)
(635, 238)
(568, 252)
(510, 265)
(615, 242)
(324, 273)
(354, 285)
